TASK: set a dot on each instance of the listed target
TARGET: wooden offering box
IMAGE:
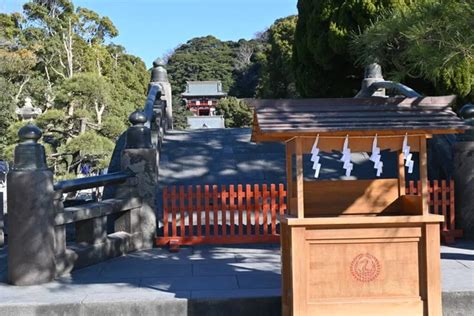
(359, 247)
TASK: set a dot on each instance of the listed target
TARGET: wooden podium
(357, 247)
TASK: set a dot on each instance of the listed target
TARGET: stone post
(464, 174)
(140, 157)
(31, 256)
(159, 75)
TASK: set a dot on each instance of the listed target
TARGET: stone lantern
(28, 112)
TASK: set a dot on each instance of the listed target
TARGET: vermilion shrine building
(201, 97)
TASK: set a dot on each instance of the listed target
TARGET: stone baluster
(464, 174)
(140, 157)
(31, 254)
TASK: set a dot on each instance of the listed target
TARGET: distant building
(201, 97)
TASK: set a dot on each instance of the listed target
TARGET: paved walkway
(163, 283)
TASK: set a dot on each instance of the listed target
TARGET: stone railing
(37, 248)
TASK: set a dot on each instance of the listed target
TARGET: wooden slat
(273, 205)
(232, 196)
(248, 202)
(190, 211)
(444, 202)
(265, 207)
(224, 209)
(412, 188)
(165, 211)
(215, 208)
(207, 209)
(199, 209)
(173, 211)
(181, 211)
(256, 194)
(240, 207)
(299, 179)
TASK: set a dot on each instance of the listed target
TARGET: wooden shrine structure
(357, 247)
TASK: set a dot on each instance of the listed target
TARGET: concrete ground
(204, 280)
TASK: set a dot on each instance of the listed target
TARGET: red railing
(221, 215)
(441, 201)
(205, 214)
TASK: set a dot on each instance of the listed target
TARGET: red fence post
(240, 207)
(256, 195)
(248, 200)
(232, 209)
(165, 211)
(273, 194)
(224, 210)
(199, 209)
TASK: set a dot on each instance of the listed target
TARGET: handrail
(92, 182)
(150, 100)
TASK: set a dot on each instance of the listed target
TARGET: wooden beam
(401, 174)
(424, 175)
(289, 177)
(299, 179)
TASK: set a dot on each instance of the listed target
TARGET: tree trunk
(99, 112)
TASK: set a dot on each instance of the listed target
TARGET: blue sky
(151, 28)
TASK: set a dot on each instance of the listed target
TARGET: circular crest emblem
(365, 267)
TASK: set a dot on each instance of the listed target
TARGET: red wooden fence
(229, 214)
(441, 201)
(248, 214)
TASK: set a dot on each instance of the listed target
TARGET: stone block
(91, 231)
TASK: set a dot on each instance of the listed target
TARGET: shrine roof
(282, 119)
(203, 88)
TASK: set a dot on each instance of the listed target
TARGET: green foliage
(324, 66)
(201, 58)
(432, 40)
(277, 79)
(113, 127)
(236, 113)
(92, 148)
(57, 55)
(180, 113)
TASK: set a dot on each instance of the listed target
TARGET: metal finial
(137, 118)
(29, 133)
(467, 111)
(158, 62)
(373, 70)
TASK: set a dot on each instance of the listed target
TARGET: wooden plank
(412, 188)
(325, 198)
(190, 211)
(290, 150)
(199, 209)
(299, 264)
(256, 195)
(265, 207)
(173, 211)
(424, 175)
(248, 202)
(182, 215)
(273, 206)
(240, 208)
(444, 203)
(401, 174)
(207, 210)
(432, 269)
(232, 196)
(224, 209)
(435, 197)
(215, 207)
(298, 116)
(165, 211)
(299, 179)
